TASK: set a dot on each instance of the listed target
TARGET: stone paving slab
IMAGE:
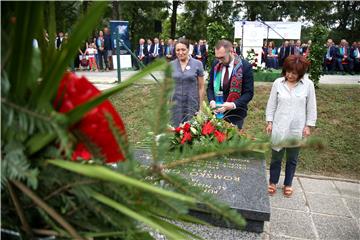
(319, 186)
(354, 207)
(279, 237)
(348, 189)
(332, 228)
(332, 205)
(296, 202)
(291, 224)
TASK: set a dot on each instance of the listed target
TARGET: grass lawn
(338, 125)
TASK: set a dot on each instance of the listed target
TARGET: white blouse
(290, 110)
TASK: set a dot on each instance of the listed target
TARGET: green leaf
(38, 141)
(28, 23)
(77, 113)
(139, 217)
(106, 174)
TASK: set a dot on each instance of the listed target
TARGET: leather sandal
(288, 191)
(272, 189)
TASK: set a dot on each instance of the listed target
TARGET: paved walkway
(104, 80)
(319, 209)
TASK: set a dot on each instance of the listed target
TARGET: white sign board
(288, 30)
(125, 61)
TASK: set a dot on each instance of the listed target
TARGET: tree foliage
(317, 51)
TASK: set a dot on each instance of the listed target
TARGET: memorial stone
(239, 182)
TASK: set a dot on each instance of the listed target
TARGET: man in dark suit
(284, 52)
(233, 76)
(330, 56)
(156, 50)
(343, 57)
(237, 49)
(141, 52)
(169, 50)
(200, 52)
(149, 45)
(355, 55)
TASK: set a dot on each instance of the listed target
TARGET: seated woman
(272, 56)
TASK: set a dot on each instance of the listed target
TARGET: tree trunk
(115, 10)
(174, 18)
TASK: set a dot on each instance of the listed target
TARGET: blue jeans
(292, 155)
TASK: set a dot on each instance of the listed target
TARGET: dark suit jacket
(238, 50)
(247, 90)
(152, 49)
(285, 52)
(332, 52)
(202, 50)
(339, 55)
(145, 50)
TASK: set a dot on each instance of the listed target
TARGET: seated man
(355, 55)
(343, 57)
(330, 56)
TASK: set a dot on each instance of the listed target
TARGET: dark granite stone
(239, 182)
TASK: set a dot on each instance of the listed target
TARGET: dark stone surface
(239, 182)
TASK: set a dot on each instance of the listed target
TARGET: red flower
(81, 152)
(178, 129)
(207, 129)
(186, 127)
(220, 136)
(186, 137)
(74, 91)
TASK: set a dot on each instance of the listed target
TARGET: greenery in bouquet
(204, 129)
(252, 58)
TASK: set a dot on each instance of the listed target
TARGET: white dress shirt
(290, 110)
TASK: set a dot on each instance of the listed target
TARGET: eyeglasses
(223, 57)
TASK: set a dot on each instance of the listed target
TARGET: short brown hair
(295, 63)
(224, 43)
(183, 41)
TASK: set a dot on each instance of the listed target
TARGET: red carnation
(178, 129)
(186, 137)
(186, 127)
(81, 152)
(207, 129)
(74, 91)
(220, 136)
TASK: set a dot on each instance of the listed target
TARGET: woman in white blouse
(290, 114)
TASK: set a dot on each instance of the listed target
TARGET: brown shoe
(288, 191)
(272, 189)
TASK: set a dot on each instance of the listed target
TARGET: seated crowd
(155, 48)
(96, 53)
(342, 57)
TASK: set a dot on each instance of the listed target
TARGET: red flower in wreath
(94, 125)
(186, 127)
(81, 152)
(207, 129)
(220, 136)
(186, 137)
